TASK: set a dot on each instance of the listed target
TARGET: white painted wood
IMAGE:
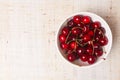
(27, 40)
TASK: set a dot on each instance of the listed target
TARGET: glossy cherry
(84, 57)
(62, 38)
(64, 46)
(96, 24)
(98, 52)
(70, 23)
(91, 59)
(86, 38)
(72, 45)
(80, 51)
(86, 19)
(71, 57)
(77, 19)
(89, 50)
(76, 31)
(65, 31)
(103, 41)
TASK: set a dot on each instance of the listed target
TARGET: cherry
(71, 37)
(64, 46)
(96, 45)
(103, 41)
(71, 57)
(84, 57)
(91, 33)
(62, 38)
(76, 31)
(96, 24)
(91, 59)
(65, 31)
(77, 19)
(80, 25)
(86, 38)
(89, 50)
(103, 30)
(80, 50)
(70, 23)
(86, 19)
(72, 45)
(97, 37)
(85, 29)
(98, 52)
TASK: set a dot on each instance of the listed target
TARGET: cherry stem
(67, 37)
(92, 46)
(101, 32)
(77, 27)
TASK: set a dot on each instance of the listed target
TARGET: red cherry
(71, 57)
(76, 31)
(77, 19)
(65, 31)
(96, 24)
(96, 45)
(86, 19)
(91, 59)
(84, 57)
(85, 29)
(80, 51)
(71, 37)
(70, 23)
(103, 30)
(98, 52)
(80, 25)
(64, 46)
(86, 38)
(89, 50)
(103, 41)
(91, 33)
(72, 45)
(62, 38)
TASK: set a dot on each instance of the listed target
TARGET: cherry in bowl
(84, 39)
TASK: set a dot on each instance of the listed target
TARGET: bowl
(108, 33)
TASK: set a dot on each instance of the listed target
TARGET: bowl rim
(79, 13)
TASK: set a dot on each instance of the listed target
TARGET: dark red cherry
(64, 46)
(76, 31)
(103, 41)
(96, 45)
(89, 50)
(80, 51)
(96, 24)
(91, 33)
(71, 57)
(86, 19)
(103, 30)
(70, 23)
(71, 37)
(98, 52)
(91, 59)
(85, 29)
(86, 38)
(84, 57)
(77, 19)
(80, 25)
(62, 38)
(72, 45)
(65, 31)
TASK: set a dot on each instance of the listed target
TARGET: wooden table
(27, 40)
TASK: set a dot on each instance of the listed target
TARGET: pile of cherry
(81, 38)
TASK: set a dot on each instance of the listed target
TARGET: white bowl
(107, 48)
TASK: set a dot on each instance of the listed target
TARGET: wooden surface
(27, 40)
